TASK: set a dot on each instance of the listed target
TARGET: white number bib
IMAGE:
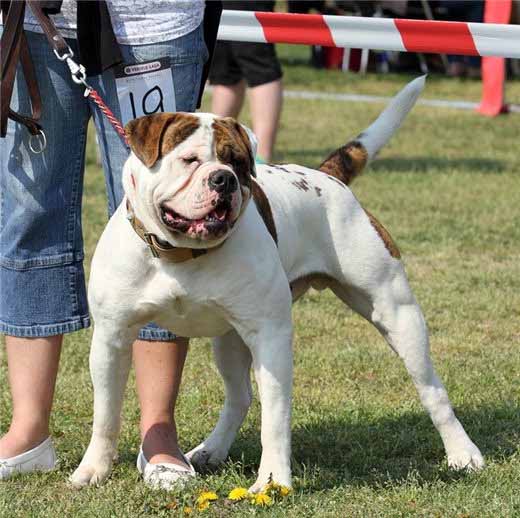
(145, 88)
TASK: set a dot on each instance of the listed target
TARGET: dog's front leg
(233, 360)
(272, 362)
(110, 360)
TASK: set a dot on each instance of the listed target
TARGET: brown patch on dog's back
(153, 136)
(281, 168)
(346, 162)
(302, 184)
(232, 147)
(384, 235)
(264, 208)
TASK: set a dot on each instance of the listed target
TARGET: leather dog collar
(160, 249)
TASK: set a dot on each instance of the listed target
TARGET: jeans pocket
(43, 261)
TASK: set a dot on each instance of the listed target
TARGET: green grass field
(447, 188)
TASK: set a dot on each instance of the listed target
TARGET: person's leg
(158, 369)
(266, 106)
(41, 272)
(158, 355)
(225, 76)
(33, 367)
(227, 100)
(262, 71)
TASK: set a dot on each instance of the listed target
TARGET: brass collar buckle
(149, 241)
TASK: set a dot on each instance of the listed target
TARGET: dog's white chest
(194, 322)
(186, 311)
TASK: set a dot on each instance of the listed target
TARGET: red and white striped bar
(439, 37)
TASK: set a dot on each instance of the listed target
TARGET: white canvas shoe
(41, 458)
(164, 475)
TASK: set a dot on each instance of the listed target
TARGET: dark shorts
(234, 60)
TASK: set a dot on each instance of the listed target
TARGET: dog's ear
(251, 143)
(145, 135)
(152, 136)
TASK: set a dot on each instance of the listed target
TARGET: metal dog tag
(145, 88)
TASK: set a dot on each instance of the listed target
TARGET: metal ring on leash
(38, 143)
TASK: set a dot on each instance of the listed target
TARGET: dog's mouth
(214, 224)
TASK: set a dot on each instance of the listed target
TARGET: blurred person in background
(464, 11)
(238, 65)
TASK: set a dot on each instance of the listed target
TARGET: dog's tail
(348, 161)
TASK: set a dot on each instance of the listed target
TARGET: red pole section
(494, 68)
(297, 28)
(445, 37)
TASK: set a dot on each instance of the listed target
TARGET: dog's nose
(222, 181)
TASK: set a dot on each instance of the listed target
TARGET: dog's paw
(278, 473)
(467, 458)
(206, 458)
(89, 475)
(262, 482)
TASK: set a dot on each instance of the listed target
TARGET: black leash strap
(14, 48)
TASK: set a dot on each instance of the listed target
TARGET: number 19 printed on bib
(145, 88)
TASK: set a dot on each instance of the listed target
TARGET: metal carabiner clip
(77, 71)
(38, 143)
(67, 54)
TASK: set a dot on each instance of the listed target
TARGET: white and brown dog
(189, 251)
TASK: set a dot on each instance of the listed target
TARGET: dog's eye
(190, 160)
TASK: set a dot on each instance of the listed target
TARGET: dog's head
(189, 176)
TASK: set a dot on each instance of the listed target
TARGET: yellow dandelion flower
(284, 490)
(273, 487)
(188, 510)
(202, 506)
(206, 496)
(262, 499)
(239, 493)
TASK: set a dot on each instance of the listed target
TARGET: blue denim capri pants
(42, 280)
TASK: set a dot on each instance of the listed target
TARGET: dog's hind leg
(110, 360)
(233, 360)
(390, 305)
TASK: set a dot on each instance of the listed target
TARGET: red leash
(96, 98)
